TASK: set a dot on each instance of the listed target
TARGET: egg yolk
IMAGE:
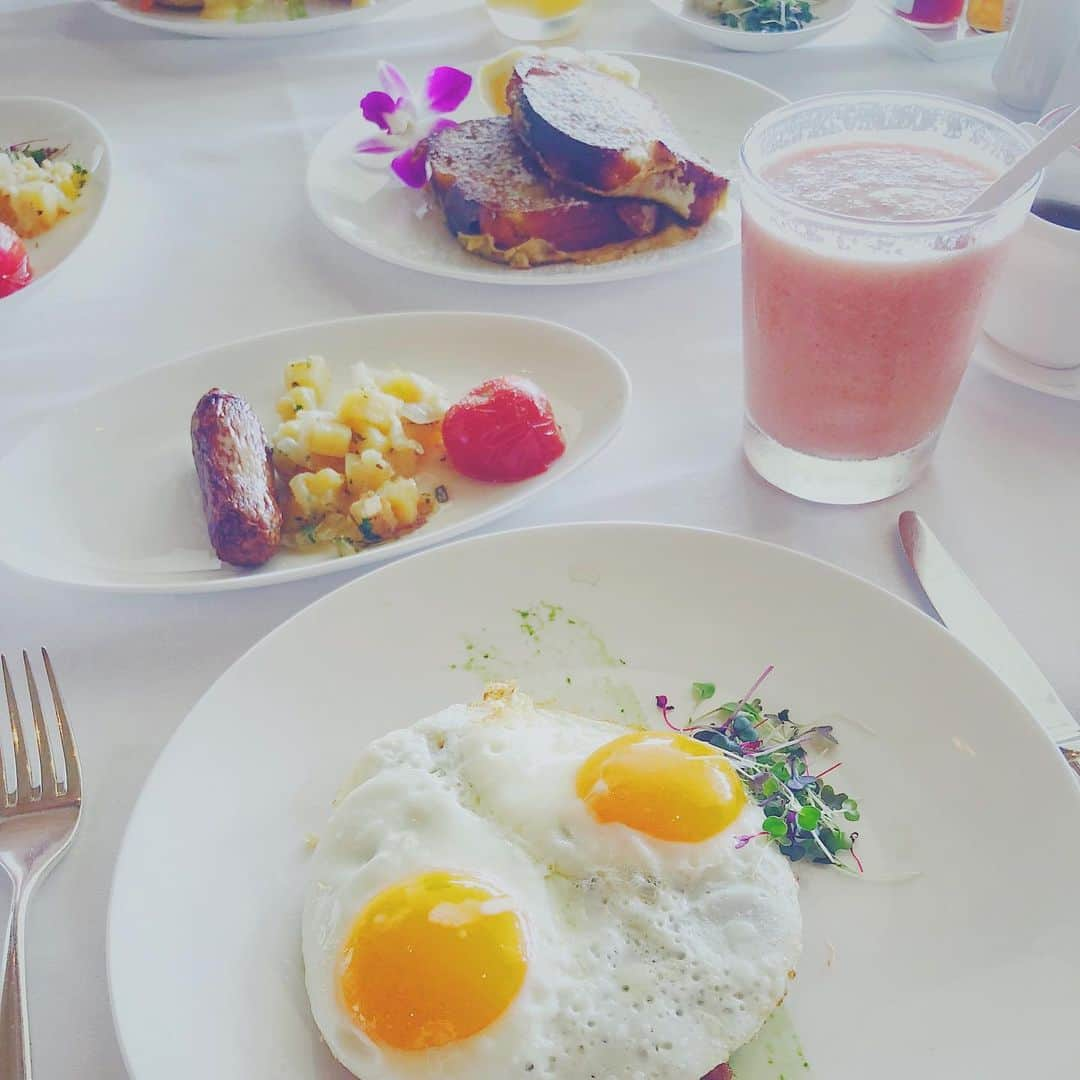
(431, 961)
(663, 784)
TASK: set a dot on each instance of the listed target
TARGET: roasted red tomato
(503, 430)
(15, 272)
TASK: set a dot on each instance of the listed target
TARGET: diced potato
(366, 471)
(329, 437)
(374, 517)
(296, 401)
(361, 409)
(291, 450)
(405, 462)
(316, 493)
(312, 372)
(403, 498)
(374, 439)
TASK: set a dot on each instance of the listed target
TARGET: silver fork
(37, 823)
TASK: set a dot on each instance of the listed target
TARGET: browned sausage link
(232, 459)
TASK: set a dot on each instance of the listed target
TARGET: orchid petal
(446, 88)
(410, 167)
(377, 106)
(374, 145)
(442, 124)
(393, 82)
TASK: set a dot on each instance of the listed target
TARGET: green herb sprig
(804, 816)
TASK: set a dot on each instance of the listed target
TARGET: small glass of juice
(865, 282)
(537, 20)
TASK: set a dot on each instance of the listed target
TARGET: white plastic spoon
(1066, 134)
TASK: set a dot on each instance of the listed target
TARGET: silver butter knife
(964, 611)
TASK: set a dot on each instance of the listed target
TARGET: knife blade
(964, 611)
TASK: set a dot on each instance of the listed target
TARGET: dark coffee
(1057, 212)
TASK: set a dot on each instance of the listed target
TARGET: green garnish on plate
(804, 816)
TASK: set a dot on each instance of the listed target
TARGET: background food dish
(370, 210)
(62, 125)
(947, 736)
(685, 14)
(85, 527)
(323, 16)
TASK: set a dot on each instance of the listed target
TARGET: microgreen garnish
(805, 817)
(39, 154)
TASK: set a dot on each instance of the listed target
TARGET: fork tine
(41, 735)
(73, 785)
(22, 773)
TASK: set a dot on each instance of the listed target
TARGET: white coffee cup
(1035, 310)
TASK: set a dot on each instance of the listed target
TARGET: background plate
(373, 211)
(23, 118)
(323, 16)
(921, 979)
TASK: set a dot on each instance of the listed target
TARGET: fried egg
(504, 889)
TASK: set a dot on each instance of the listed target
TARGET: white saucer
(1064, 383)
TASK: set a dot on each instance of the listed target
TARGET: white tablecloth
(208, 238)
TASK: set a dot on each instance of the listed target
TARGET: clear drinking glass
(856, 332)
(537, 20)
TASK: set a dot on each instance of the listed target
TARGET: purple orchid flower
(405, 121)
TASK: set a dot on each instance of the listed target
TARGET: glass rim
(913, 225)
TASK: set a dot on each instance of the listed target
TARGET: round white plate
(683, 12)
(106, 494)
(925, 978)
(322, 16)
(23, 118)
(1058, 382)
(370, 209)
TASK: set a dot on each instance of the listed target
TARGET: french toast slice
(596, 133)
(502, 206)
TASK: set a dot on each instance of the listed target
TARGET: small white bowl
(61, 124)
(1034, 310)
(830, 13)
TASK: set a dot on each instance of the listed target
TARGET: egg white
(649, 960)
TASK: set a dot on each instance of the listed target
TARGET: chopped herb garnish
(308, 532)
(704, 690)
(804, 817)
(367, 531)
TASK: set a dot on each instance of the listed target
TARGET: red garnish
(502, 431)
(721, 1072)
(665, 708)
(15, 272)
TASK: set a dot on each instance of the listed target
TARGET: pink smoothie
(856, 355)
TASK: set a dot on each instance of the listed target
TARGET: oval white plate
(322, 16)
(921, 979)
(1058, 382)
(371, 210)
(23, 118)
(106, 491)
(685, 15)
